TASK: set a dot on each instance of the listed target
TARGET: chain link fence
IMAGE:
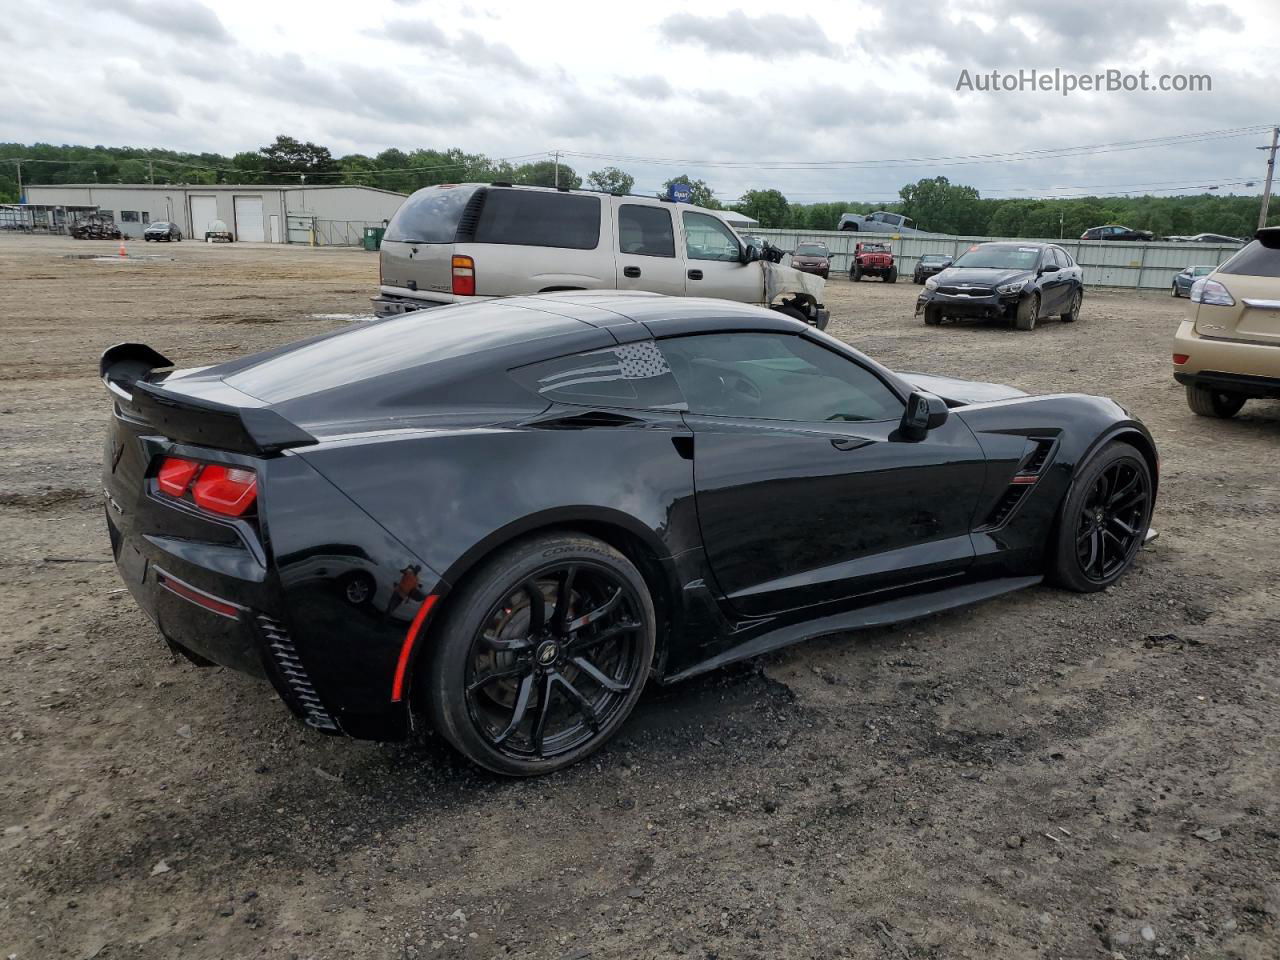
(341, 233)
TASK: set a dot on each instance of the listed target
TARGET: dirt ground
(1046, 775)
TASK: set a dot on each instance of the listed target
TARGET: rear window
(534, 218)
(415, 339)
(430, 215)
(1255, 260)
(645, 231)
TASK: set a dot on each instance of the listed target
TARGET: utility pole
(1271, 169)
(19, 162)
(151, 171)
(558, 169)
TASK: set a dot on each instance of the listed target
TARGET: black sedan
(1020, 283)
(162, 230)
(929, 265)
(1114, 231)
(505, 518)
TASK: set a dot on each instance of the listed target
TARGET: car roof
(635, 314)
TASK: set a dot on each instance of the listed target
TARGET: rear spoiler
(190, 419)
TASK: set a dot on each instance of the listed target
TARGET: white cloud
(743, 82)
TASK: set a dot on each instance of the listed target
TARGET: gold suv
(1227, 351)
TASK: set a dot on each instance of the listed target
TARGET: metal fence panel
(1148, 266)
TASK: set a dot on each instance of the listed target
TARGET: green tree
(700, 194)
(290, 156)
(940, 206)
(543, 174)
(611, 180)
(768, 206)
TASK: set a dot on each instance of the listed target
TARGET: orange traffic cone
(123, 251)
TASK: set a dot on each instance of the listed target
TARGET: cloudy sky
(840, 99)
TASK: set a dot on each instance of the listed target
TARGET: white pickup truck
(456, 242)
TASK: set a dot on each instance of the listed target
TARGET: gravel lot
(1047, 775)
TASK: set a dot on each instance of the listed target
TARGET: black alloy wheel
(1105, 519)
(545, 656)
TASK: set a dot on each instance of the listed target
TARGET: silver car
(457, 242)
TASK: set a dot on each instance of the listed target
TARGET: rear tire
(1104, 520)
(1072, 315)
(1213, 403)
(541, 654)
(1028, 313)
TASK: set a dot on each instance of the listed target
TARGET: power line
(961, 159)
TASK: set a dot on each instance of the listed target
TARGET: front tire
(541, 655)
(1104, 520)
(892, 275)
(1173, 291)
(932, 316)
(1028, 313)
(1213, 403)
(856, 274)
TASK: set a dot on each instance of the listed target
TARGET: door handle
(631, 272)
(849, 443)
(695, 274)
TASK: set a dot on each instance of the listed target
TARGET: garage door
(204, 210)
(249, 219)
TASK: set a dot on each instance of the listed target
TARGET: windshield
(999, 257)
(934, 258)
(811, 250)
(160, 225)
(1201, 271)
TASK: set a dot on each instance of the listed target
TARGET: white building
(262, 213)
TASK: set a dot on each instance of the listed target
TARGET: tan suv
(1227, 351)
(457, 242)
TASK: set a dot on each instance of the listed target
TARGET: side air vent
(1034, 461)
(585, 421)
(1005, 507)
(285, 656)
(466, 231)
(1030, 467)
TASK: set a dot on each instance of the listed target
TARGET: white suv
(455, 242)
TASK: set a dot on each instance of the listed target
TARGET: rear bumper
(1252, 369)
(390, 304)
(215, 617)
(313, 596)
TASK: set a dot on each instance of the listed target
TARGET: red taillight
(175, 475)
(464, 277)
(229, 491)
(1181, 358)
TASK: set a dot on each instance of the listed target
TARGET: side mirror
(750, 253)
(1049, 268)
(924, 412)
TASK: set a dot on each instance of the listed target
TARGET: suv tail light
(464, 276)
(1211, 292)
(227, 491)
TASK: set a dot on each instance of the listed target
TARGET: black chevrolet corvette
(503, 518)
